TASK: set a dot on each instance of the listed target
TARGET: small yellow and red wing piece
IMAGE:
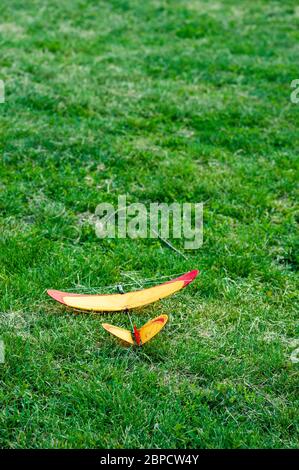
(121, 333)
(117, 302)
(152, 328)
(142, 335)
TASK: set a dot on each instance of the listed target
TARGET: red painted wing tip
(56, 295)
(161, 319)
(188, 277)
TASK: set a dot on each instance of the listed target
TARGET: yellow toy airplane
(125, 301)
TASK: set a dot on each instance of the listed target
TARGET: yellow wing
(122, 333)
(123, 301)
(151, 328)
(116, 302)
(143, 335)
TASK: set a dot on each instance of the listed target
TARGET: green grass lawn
(178, 100)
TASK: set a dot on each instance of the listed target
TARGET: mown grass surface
(164, 101)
